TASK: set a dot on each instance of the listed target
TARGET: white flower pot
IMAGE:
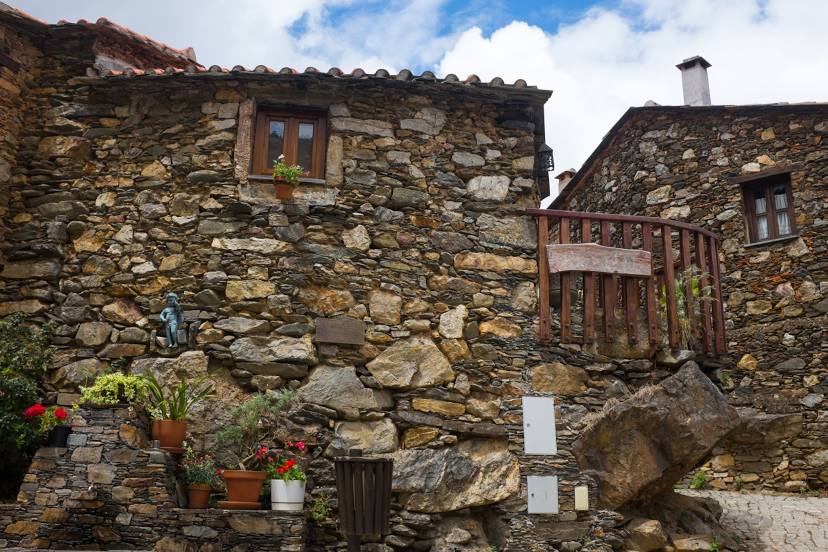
(287, 496)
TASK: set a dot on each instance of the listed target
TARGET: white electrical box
(543, 494)
(581, 498)
(539, 425)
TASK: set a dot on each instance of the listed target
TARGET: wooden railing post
(630, 290)
(610, 289)
(589, 288)
(566, 292)
(688, 275)
(718, 306)
(706, 295)
(670, 284)
(652, 304)
(543, 281)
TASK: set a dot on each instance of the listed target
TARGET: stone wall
(15, 85)
(676, 163)
(108, 490)
(131, 187)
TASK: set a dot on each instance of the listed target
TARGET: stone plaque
(344, 330)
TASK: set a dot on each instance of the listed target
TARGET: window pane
(762, 227)
(780, 198)
(761, 204)
(304, 156)
(783, 223)
(275, 142)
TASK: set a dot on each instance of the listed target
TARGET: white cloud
(609, 60)
(598, 65)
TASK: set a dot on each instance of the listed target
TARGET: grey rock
(241, 325)
(474, 473)
(453, 242)
(275, 349)
(633, 447)
(338, 387)
(203, 176)
(407, 197)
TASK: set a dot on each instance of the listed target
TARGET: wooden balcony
(641, 281)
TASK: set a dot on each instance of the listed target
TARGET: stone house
(396, 292)
(757, 175)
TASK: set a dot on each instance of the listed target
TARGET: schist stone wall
(676, 163)
(127, 188)
(107, 491)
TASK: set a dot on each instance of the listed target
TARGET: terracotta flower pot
(171, 433)
(198, 496)
(283, 189)
(243, 486)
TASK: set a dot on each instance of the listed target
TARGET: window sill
(781, 239)
(267, 178)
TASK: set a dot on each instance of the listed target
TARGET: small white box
(539, 426)
(543, 494)
(582, 498)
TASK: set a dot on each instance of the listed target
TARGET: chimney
(564, 178)
(694, 81)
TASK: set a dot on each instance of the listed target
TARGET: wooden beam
(589, 288)
(543, 281)
(629, 287)
(591, 257)
(566, 286)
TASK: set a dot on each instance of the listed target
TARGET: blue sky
(598, 57)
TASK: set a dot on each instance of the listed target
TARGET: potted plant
(169, 414)
(202, 476)
(287, 477)
(286, 177)
(239, 448)
(116, 388)
(54, 422)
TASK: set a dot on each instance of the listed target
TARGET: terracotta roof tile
(333, 72)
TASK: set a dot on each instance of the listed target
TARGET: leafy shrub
(200, 468)
(184, 396)
(25, 355)
(320, 510)
(699, 480)
(104, 391)
(252, 423)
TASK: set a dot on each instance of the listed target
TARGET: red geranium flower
(61, 414)
(34, 411)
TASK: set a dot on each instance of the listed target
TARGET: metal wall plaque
(543, 494)
(343, 330)
(539, 425)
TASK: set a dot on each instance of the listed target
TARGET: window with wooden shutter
(298, 135)
(769, 212)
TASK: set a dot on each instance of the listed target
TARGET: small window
(769, 208)
(299, 136)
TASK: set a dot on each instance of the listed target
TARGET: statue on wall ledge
(173, 318)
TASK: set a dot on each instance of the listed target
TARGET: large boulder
(474, 473)
(642, 446)
(762, 429)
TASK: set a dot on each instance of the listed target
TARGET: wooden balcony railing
(615, 270)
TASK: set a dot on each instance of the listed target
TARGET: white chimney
(694, 81)
(564, 178)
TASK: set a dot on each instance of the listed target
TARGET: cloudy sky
(598, 57)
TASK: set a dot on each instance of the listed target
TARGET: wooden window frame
(291, 118)
(768, 183)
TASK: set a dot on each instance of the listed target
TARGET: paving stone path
(774, 523)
